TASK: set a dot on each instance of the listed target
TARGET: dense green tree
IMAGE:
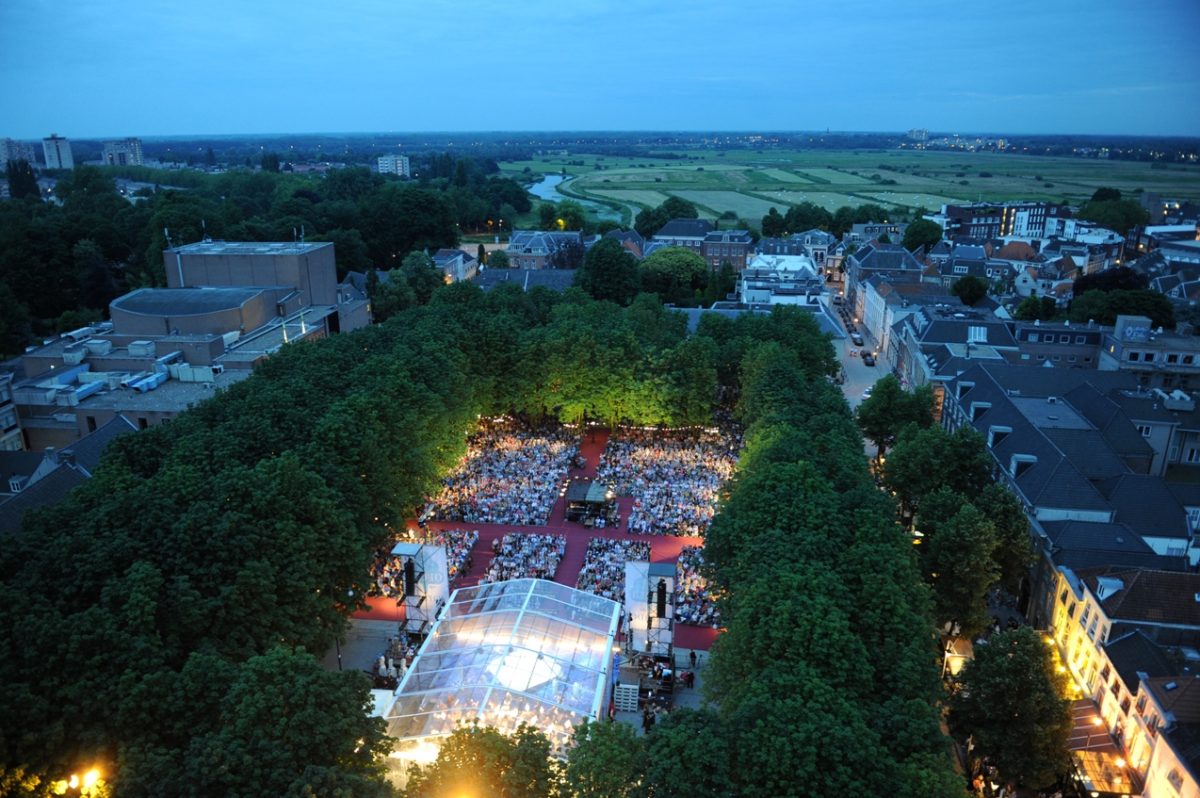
(970, 289)
(923, 460)
(607, 761)
(1120, 278)
(1022, 731)
(957, 556)
(1105, 194)
(1014, 552)
(548, 215)
(674, 273)
(571, 216)
(921, 233)
(1034, 308)
(773, 224)
(391, 296)
(1103, 307)
(679, 208)
(890, 408)
(610, 272)
(269, 162)
(422, 275)
(483, 763)
(498, 260)
(427, 222)
(14, 322)
(688, 757)
(1118, 215)
(22, 182)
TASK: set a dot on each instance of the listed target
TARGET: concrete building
(986, 220)
(537, 249)
(57, 152)
(229, 307)
(10, 422)
(126, 152)
(394, 165)
(456, 264)
(1159, 358)
(11, 150)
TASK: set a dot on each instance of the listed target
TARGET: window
(1064, 339)
(1021, 463)
(91, 423)
(1144, 430)
(1079, 339)
(1193, 455)
(978, 409)
(997, 434)
(1071, 359)
(1148, 357)
(1173, 358)
(1188, 359)
(143, 423)
(1132, 357)
(1033, 338)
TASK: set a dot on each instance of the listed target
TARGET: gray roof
(46, 492)
(685, 228)
(1147, 505)
(250, 247)
(1134, 653)
(17, 464)
(1088, 544)
(87, 451)
(886, 256)
(184, 301)
(554, 279)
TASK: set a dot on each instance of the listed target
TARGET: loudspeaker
(661, 599)
(410, 578)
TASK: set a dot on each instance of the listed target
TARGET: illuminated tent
(523, 651)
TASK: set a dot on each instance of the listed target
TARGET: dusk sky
(104, 68)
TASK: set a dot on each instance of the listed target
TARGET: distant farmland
(749, 183)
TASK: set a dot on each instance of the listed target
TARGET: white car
(867, 393)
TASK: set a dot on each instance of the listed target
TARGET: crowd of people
(387, 569)
(510, 475)
(695, 602)
(458, 543)
(674, 477)
(603, 571)
(523, 555)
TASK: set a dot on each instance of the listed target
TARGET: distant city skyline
(104, 70)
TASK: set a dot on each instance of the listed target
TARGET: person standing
(692, 659)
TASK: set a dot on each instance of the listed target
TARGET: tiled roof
(685, 228)
(1148, 596)
(1179, 695)
(1134, 653)
(47, 491)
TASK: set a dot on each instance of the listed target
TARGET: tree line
(63, 261)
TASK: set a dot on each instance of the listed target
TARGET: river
(547, 189)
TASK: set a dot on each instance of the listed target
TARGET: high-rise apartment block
(58, 152)
(11, 150)
(126, 152)
(394, 165)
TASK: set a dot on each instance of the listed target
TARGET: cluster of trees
(1103, 307)
(677, 275)
(809, 216)
(650, 220)
(1107, 209)
(160, 620)
(74, 258)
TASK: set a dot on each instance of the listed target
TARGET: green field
(749, 182)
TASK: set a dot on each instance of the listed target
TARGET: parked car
(856, 338)
(867, 393)
(837, 300)
(868, 359)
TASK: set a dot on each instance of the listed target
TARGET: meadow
(748, 183)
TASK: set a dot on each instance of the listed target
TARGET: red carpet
(663, 548)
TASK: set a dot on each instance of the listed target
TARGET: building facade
(57, 151)
(126, 152)
(394, 165)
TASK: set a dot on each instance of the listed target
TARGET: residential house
(689, 233)
(35, 480)
(558, 280)
(892, 260)
(1062, 345)
(537, 249)
(933, 344)
(456, 264)
(631, 240)
(727, 246)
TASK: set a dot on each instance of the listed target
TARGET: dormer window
(963, 387)
(1021, 463)
(978, 409)
(997, 434)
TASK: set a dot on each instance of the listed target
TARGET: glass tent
(522, 651)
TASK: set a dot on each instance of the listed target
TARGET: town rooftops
(1080, 545)
(47, 491)
(250, 247)
(526, 279)
(886, 256)
(1178, 695)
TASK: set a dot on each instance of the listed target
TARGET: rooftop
(250, 247)
(184, 301)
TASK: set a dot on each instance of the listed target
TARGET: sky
(101, 68)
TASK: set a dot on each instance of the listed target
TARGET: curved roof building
(522, 651)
